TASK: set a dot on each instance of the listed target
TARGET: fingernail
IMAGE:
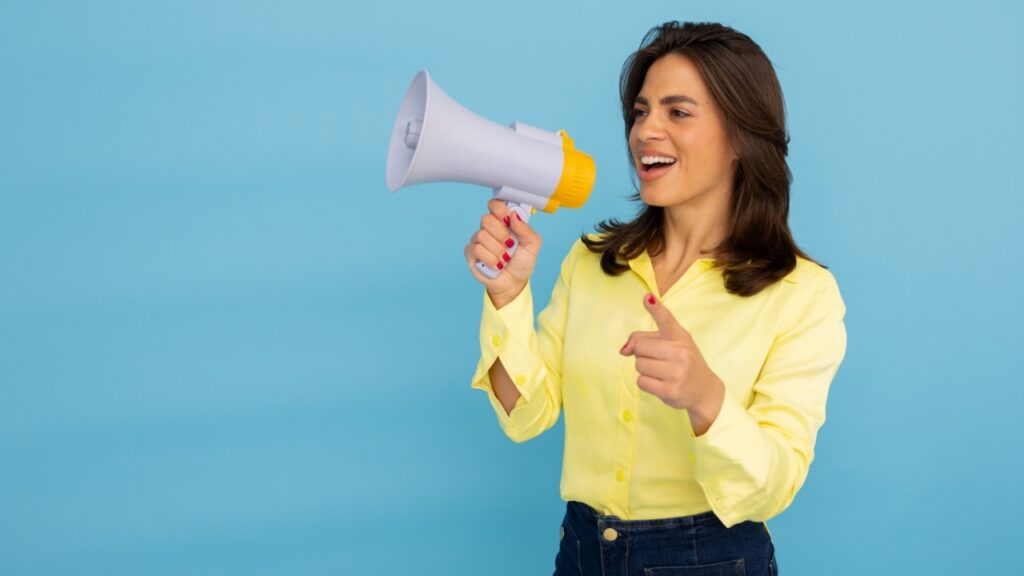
(506, 257)
(623, 349)
(517, 217)
(500, 264)
(508, 222)
(650, 299)
(510, 242)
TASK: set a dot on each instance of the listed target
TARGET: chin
(653, 198)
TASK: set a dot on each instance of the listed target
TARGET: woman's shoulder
(580, 257)
(813, 286)
(579, 247)
(579, 251)
(808, 272)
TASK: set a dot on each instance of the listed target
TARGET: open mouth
(649, 163)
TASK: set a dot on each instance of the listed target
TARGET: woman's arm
(501, 382)
(503, 387)
(520, 367)
(753, 459)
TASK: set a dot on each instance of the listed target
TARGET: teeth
(648, 160)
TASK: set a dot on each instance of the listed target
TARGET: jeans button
(610, 534)
(561, 532)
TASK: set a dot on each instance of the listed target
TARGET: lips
(653, 164)
(649, 173)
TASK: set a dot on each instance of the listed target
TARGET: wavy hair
(759, 248)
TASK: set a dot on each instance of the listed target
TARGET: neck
(692, 230)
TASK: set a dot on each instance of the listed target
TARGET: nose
(649, 127)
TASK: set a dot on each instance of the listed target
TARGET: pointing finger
(668, 326)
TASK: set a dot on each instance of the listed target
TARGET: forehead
(673, 74)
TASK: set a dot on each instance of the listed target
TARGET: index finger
(667, 323)
(497, 207)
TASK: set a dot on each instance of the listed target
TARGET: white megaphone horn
(435, 139)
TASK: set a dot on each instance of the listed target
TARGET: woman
(691, 348)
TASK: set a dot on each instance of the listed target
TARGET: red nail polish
(506, 257)
(508, 222)
(650, 300)
(517, 217)
(510, 242)
(500, 264)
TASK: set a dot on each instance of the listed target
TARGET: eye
(638, 112)
(679, 113)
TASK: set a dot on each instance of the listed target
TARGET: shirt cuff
(734, 440)
(509, 334)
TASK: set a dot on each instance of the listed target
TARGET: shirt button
(496, 340)
(693, 459)
(620, 475)
(520, 380)
(627, 416)
(610, 534)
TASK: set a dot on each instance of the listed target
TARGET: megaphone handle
(524, 211)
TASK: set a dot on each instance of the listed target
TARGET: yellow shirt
(627, 453)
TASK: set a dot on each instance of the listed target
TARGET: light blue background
(225, 347)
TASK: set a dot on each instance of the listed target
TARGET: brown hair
(759, 248)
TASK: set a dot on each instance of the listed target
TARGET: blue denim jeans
(699, 545)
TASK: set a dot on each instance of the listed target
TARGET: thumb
(667, 323)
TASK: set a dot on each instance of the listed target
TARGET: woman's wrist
(501, 299)
(705, 412)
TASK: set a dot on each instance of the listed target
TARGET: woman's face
(678, 138)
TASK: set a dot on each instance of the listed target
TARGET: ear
(732, 136)
(735, 153)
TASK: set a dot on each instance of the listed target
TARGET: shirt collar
(644, 268)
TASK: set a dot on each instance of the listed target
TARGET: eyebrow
(668, 100)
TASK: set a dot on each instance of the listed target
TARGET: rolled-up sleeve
(532, 357)
(753, 459)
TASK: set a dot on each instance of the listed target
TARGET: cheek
(718, 143)
(711, 149)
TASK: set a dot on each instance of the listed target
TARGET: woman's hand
(673, 369)
(490, 245)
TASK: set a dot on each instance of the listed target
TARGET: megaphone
(435, 139)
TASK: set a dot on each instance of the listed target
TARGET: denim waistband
(704, 519)
(594, 543)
